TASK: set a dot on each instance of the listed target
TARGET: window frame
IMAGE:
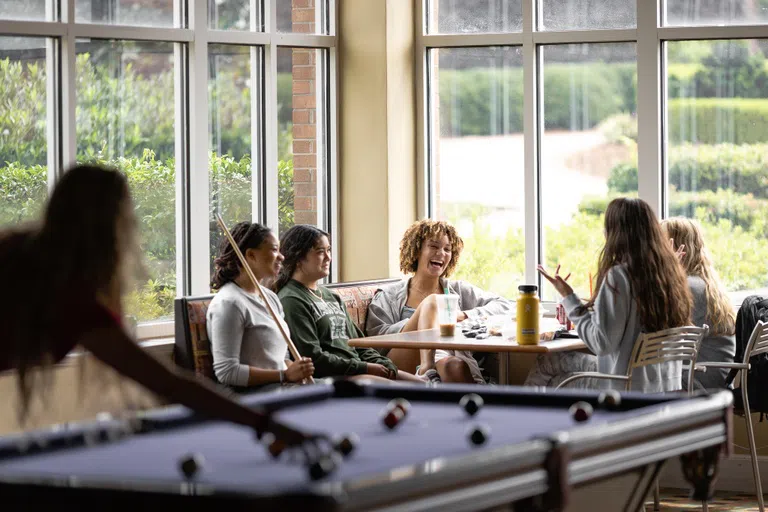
(191, 47)
(649, 35)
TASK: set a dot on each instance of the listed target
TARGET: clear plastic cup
(447, 311)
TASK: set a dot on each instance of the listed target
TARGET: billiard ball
(347, 444)
(609, 399)
(478, 434)
(392, 417)
(580, 411)
(471, 403)
(400, 403)
(191, 464)
(276, 448)
(322, 467)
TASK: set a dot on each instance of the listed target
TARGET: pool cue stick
(291, 346)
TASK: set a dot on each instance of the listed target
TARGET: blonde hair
(697, 262)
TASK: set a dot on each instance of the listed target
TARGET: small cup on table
(447, 310)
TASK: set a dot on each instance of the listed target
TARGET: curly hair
(295, 244)
(421, 231)
(227, 265)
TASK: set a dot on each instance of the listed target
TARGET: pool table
(535, 456)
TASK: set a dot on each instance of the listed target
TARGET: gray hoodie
(385, 311)
(386, 315)
(610, 330)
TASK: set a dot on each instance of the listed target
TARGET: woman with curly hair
(430, 251)
(248, 349)
(319, 321)
(711, 305)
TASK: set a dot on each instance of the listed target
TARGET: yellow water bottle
(527, 315)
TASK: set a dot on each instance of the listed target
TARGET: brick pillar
(304, 110)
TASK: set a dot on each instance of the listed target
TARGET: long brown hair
(697, 262)
(83, 246)
(295, 244)
(634, 239)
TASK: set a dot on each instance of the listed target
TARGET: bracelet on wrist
(282, 376)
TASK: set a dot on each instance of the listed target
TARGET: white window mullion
(198, 193)
(649, 108)
(423, 172)
(270, 112)
(68, 85)
(257, 135)
(530, 143)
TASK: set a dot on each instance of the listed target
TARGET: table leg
(503, 358)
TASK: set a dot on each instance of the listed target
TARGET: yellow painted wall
(377, 152)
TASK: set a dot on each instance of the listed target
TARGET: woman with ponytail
(247, 347)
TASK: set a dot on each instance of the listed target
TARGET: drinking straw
(448, 304)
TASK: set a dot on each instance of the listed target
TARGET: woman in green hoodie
(319, 322)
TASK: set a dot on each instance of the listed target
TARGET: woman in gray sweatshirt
(248, 349)
(711, 305)
(641, 287)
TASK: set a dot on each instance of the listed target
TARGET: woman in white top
(641, 287)
(248, 349)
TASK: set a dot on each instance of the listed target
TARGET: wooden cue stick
(291, 346)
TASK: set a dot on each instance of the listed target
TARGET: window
(236, 173)
(477, 124)
(717, 152)
(23, 125)
(596, 121)
(125, 118)
(236, 126)
(589, 134)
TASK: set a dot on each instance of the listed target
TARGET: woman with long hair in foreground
(65, 279)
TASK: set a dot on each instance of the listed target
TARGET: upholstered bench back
(193, 348)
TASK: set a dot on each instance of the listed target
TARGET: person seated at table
(66, 277)
(319, 321)
(711, 305)
(249, 351)
(640, 287)
(430, 250)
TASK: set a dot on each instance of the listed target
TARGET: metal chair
(758, 344)
(676, 344)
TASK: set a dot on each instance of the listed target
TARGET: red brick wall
(304, 117)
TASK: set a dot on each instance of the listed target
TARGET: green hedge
(742, 210)
(717, 120)
(740, 168)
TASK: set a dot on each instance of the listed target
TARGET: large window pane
(717, 152)
(237, 14)
(303, 16)
(587, 14)
(235, 98)
(477, 16)
(301, 138)
(23, 147)
(155, 13)
(716, 12)
(476, 159)
(588, 151)
(27, 10)
(125, 117)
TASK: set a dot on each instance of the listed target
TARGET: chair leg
(752, 447)
(656, 496)
(704, 506)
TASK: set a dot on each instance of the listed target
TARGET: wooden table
(504, 347)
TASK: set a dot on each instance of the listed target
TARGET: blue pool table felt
(234, 460)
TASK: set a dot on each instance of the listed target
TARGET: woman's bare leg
(425, 317)
(454, 369)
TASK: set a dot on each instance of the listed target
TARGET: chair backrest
(192, 349)
(676, 344)
(758, 341)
